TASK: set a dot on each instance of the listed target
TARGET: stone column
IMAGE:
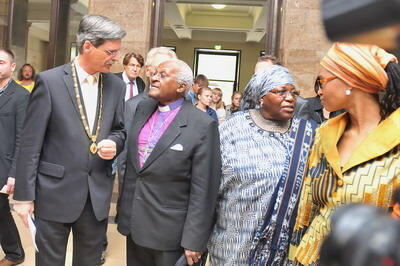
(303, 42)
(134, 16)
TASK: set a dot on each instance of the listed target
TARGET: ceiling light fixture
(218, 6)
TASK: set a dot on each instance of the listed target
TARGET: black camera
(363, 21)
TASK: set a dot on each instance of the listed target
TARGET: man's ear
(13, 66)
(86, 46)
(181, 88)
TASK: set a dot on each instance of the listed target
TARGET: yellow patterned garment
(370, 176)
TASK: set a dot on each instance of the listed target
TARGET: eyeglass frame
(110, 53)
(284, 93)
(319, 83)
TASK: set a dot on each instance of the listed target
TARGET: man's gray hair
(158, 51)
(98, 29)
(185, 73)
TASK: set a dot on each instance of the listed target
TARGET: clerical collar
(82, 74)
(171, 106)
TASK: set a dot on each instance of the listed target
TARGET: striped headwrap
(262, 82)
(360, 66)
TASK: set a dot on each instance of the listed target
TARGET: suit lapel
(7, 94)
(107, 95)
(70, 86)
(172, 132)
(142, 114)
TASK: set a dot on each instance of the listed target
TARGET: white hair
(151, 58)
(185, 73)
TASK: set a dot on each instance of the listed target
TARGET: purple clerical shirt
(155, 127)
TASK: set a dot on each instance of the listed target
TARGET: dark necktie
(131, 89)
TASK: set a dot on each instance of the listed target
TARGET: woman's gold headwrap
(360, 66)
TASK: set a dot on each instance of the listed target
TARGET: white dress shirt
(128, 87)
(89, 92)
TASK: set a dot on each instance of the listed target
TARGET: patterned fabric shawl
(271, 240)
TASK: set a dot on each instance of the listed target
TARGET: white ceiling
(244, 20)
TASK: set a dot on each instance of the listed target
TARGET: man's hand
(107, 149)
(192, 257)
(8, 188)
(23, 210)
(10, 185)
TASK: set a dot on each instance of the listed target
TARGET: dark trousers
(88, 236)
(9, 236)
(140, 256)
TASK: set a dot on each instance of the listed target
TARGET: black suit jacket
(169, 203)
(130, 110)
(139, 82)
(313, 110)
(13, 104)
(55, 167)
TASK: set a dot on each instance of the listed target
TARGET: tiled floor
(116, 243)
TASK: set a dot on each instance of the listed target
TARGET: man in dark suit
(312, 109)
(133, 63)
(13, 102)
(73, 129)
(170, 187)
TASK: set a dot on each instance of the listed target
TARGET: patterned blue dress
(252, 163)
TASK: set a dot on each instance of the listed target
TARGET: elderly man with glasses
(173, 167)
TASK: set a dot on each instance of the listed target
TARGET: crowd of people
(255, 182)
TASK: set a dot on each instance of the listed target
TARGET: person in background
(235, 105)
(26, 77)
(13, 103)
(132, 63)
(264, 151)
(204, 98)
(264, 62)
(200, 81)
(218, 105)
(356, 155)
(312, 109)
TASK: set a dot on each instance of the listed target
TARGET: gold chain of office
(93, 147)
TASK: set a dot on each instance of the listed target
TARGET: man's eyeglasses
(284, 93)
(111, 53)
(319, 83)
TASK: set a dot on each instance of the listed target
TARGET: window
(221, 67)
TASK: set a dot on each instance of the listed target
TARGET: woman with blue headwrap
(264, 151)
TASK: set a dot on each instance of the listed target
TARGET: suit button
(340, 182)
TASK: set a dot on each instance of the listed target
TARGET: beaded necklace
(93, 147)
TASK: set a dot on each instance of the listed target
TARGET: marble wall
(134, 16)
(303, 42)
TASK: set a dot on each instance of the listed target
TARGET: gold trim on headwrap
(360, 66)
